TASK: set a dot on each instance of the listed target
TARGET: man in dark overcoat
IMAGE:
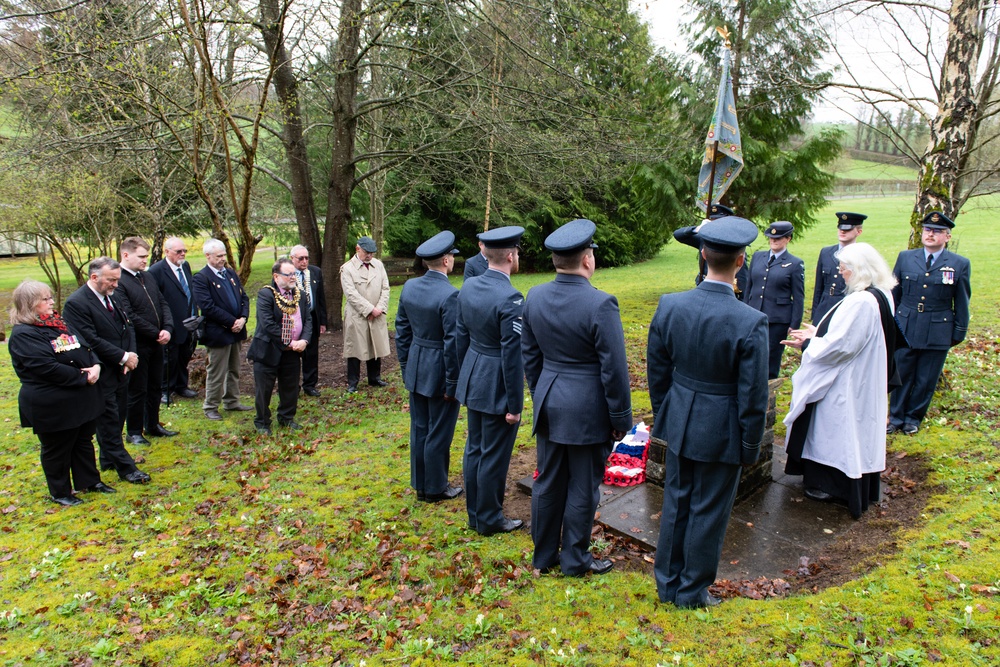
(309, 279)
(476, 265)
(427, 348)
(777, 287)
(574, 359)
(101, 318)
(281, 336)
(173, 277)
(932, 308)
(830, 286)
(707, 369)
(491, 379)
(689, 236)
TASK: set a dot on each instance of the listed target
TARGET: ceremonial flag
(722, 145)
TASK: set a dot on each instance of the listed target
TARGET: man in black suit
(102, 320)
(282, 335)
(173, 277)
(154, 326)
(309, 279)
(226, 306)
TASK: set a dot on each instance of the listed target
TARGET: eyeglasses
(287, 275)
(179, 252)
(300, 257)
(935, 231)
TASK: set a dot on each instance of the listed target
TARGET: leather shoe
(910, 429)
(311, 391)
(186, 393)
(135, 477)
(507, 526)
(239, 407)
(136, 440)
(821, 496)
(164, 398)
(708, 601)
(213, 415)
(101, 487)
(378, 382)
(67, 501)
(263, 430)
(891, 428)
(449, 493)
(601, 566)
(295, 426)
(160, 432)
(351, 388)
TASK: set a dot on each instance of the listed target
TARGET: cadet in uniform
(707, 369)
(491, 379)
(427, 348)
(933, 311)
(689, 236)
(574, 358)
(830, 286)
(476, 265)
(777, 288)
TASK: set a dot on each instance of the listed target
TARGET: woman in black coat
(59, 398)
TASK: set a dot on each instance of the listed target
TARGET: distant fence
(847, 188)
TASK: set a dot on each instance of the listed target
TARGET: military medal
(65, 343)
(948, 276)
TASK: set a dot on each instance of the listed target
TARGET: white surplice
(844, 373)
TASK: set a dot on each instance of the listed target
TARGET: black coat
(181, 307)
(218, 309)
(110, 335)
(149, 309)
(266, 346)
(316, 292)
(54, 392)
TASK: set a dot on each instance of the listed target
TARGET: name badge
(948, 276)
(65, 343)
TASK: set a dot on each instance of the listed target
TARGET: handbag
(193, 324)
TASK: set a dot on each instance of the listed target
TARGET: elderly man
(707, 368)
(427, 347)
(100, 317)
(932, 299)
(830, 286)
(173, 277)
(491, 379)
(309, 279)
(226, 306)
(154, 326)
(574, 358)
(281, 336)
(366, 331)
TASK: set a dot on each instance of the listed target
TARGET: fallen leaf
(952, 578)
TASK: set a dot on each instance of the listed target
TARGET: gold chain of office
(286, 305)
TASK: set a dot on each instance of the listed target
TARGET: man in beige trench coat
(366, 332)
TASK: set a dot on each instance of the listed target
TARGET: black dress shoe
(213, 415)
(136, 440)
(160, 432)
(449, 493)
(295, 426)
(910, 429)
(351, 388)
(186, 393)
(891, 428)
(67, 501)
(135, 477)
(708, 601)
(601, 566)
(507, 526)
(101, 487)
(263, 430)
(821, 496)
(378, 382)
(311, 391)
(164, 398)
(239, 407)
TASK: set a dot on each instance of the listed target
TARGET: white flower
(136, 555)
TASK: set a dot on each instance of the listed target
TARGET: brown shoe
(213, 415)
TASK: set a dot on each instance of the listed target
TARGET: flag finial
(724, 31)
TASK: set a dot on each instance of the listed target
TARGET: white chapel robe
(844, 373)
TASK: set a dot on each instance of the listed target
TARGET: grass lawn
(847, 167)
(311, 549)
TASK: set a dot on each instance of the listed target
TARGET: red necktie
(107, 303)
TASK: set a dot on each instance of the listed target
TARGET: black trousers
(775, 334)
(286, 373)
(372, 366)
(144, 389)
(563, 502)
(485, 465)
(112, 420)
(178, 356)
(432, 428)
(310, 358)
(69, 452)
(919, 370)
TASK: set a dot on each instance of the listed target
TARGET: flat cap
(779, 230)
(846, 221)
(440, 244)
(728, 234)
(502, 237)
(719, 211)
(572, 237)
(937, 220)
(367, 244)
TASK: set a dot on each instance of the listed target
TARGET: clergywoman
(59, 398)
(836, 421)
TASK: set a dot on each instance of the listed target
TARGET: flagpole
(711, 180)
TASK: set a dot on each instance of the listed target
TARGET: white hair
(867, 268)
(213, 246)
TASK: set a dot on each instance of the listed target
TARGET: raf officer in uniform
(574, 358)
(427, 348)
(476, 266)
(689, 236)
(830, 286)
(933, 296)
(777, 288)
(707, 368)
(491, 379)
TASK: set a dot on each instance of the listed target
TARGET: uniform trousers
(287, 375)
(432, 427)
(697, 501)
(144, 390)
(485, 464)
(69, 452)
(111, 422)
(222, 377)
(372, 366)
(310, 358)
(775, 334)
(919, 371)
(178, 355)
(563, 502)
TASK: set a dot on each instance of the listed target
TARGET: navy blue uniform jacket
(688, 236)
(932, 306)
(218, 309)
(778, 291)
(707, 368)
(830, 286)
(427, 335)
(574, 358)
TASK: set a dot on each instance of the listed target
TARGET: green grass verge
(847, 167)
(310, 549)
